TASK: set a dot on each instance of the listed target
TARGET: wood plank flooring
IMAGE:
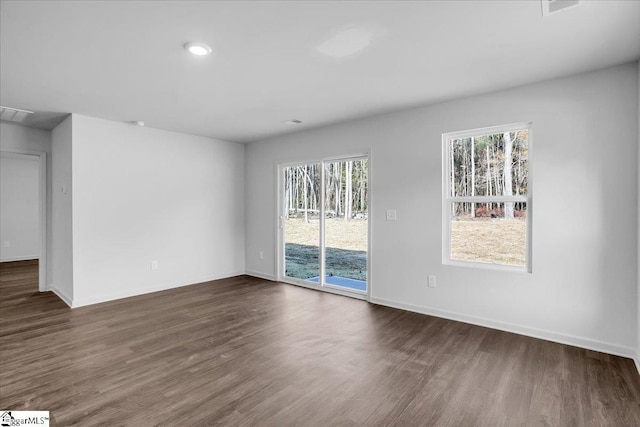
(245, 351)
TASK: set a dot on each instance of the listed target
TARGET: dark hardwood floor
(245, 351)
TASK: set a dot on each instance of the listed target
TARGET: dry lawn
(490, 240)
(341, 234)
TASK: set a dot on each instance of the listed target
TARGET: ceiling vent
(553, 6)
(14, 114)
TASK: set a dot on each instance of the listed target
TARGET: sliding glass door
(324, 224)
(300, 221)
(346, 224)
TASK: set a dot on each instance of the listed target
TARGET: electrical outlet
(432, 281)
(154, 264)
(392, 215)
(261, 255)
(6, 244)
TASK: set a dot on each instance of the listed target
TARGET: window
(487, 197)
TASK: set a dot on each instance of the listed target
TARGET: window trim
(448, 200)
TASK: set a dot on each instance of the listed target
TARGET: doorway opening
(324, 225)
(23, 218)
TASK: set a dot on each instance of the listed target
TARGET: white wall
(142, 194)
(61, 217)
(24, 138)
(638, 262)
(15, 137)
(19, 207)
(583, 286)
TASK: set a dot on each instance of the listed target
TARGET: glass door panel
(346, 224)
(301, 221)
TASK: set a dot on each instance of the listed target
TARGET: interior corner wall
(15, 137)
(583, 287)
(143, 195)
(61, 258)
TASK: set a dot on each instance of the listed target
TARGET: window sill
(487, 266)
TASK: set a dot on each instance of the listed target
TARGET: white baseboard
(97, 299)
(60, 295)
(261, 275)
(20, 258)
(586, 343)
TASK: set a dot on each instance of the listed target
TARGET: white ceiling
(125, 60)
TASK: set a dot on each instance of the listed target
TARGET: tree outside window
(487, 197)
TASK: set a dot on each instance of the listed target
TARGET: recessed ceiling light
(199, 49)
(292, 122)
(346, 42)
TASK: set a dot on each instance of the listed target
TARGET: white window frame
(448, 200)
